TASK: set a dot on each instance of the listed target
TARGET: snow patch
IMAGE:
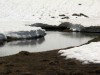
(42, 11)
(86, 53)
(20, 31)
(76, 27)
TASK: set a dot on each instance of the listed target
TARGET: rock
(66, 24)
(62, 15)
(50, 27)
(79, 15)
(65, 17)
(80, 4)
(52, 17)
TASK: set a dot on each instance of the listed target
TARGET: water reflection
(53, 40)
(80, 35)
(2, 43)
(32, 42)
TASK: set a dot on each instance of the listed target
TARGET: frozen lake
(53, 40)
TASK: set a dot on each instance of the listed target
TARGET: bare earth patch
(44, 63)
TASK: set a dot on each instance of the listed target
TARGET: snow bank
(21, 31)
(50, 11)
(76, 27)
(86, 53)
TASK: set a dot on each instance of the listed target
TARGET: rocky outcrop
(67, 26)
(47, 27)
(80, 28)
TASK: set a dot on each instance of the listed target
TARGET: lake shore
(44, 63)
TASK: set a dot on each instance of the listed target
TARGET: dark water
(53, 40)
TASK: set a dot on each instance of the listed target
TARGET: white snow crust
(89, 53)
(41, 11)
(20, 31)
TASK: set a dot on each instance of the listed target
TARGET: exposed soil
(44, 63)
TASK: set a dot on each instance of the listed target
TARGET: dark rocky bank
(95, 29)
(61, 27)
(68, 27)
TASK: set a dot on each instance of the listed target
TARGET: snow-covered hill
(51, 12)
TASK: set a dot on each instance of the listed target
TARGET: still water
(53, 40)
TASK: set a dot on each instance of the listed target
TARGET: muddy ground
(44, 63)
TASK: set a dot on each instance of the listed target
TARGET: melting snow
(19, 31)
(86, 53)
